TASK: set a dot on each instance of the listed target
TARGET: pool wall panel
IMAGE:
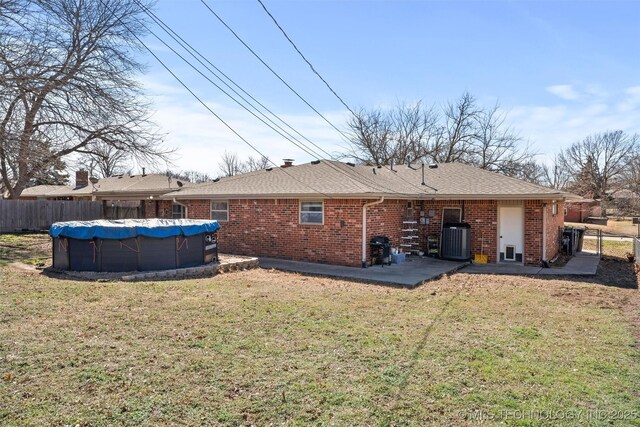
(61, 253)
(119, 255)
(157, 254)
(84, 255)
(190, 251)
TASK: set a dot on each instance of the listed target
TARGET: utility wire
(197, 55)
(223, 121)
(281, 131)
(209, 108)
(287, 85)
(304, 57)
(272, 70)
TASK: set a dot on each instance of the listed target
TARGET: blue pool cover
(129, 228)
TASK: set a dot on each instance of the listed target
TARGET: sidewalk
(583, 264)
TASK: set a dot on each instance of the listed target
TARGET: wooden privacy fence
(35, 215)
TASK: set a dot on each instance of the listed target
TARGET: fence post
(600, 243)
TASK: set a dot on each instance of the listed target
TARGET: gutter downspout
(186, 208)
(544, 234)
(364, 229)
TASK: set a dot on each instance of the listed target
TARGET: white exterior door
(511, 233)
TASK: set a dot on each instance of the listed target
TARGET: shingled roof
(332, 179)
(116, 186)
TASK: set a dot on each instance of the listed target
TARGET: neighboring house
(581, 210)
(623, 202)
(122, 195)
(327, 211)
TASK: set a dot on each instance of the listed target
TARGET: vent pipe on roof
(144, 173)
(391, 164)
(423, 183)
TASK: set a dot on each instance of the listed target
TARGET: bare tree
(416, 132)
(554, 175)
(255, 164)
(462, 132)
(68, 84)
(190, 176)
(459, 130)
(497, 147)
(105, 160)
(371, 136)
(598, 162)
(230, 164)
(631, 174)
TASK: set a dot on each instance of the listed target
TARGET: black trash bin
(456, 241)
(572, 240)
(380, 250)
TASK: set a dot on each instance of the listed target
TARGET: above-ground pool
(133, 244)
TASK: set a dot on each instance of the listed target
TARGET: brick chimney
(82, 178)
(287, 163)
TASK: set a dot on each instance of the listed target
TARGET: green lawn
(262, 347)
(613, 248)
(28, 248)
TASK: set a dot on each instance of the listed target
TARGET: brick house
(581, 210)
(327, 211)
(123, 196)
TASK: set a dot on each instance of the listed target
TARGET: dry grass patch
(614, 226)
(610, 248)
(26, 248)
(261, 347)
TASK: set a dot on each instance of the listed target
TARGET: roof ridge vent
(351, 164)
(315, 162)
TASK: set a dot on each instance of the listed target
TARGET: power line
(272, 70)
(209, 109)
(304, 57)
(167, 29)
(284, 82)
(304, 148)
(193, 52)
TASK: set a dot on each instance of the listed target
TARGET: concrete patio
(583, 264)
(411, 273)
(417, 270)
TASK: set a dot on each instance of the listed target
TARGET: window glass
(177, 211)
(220, 211)
(311, 213)
(451, 215)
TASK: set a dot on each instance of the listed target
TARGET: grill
(380, 250)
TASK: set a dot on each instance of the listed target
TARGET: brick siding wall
(272, 227)
(533, 217)
(533, 232)
(554, 223)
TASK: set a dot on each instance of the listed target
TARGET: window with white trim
(177, 211)
(220, 211)
(312, 213)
